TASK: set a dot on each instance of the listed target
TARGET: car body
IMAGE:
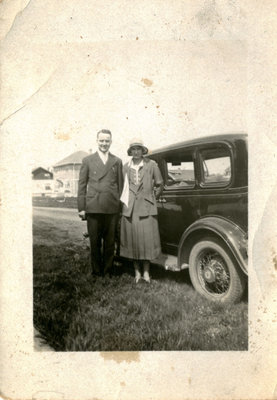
(203, 212)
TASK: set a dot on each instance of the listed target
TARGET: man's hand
(82, 215)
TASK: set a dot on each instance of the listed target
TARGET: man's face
(104, 142)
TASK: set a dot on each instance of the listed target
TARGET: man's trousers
(101, 230)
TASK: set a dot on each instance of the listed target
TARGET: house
(42, 181)
(66, 173)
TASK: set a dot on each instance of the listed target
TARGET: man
(100, 186)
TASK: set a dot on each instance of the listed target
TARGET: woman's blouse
(136, 172)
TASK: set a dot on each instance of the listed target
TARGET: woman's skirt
(139, 237)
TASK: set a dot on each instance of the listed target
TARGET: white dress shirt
(104, 156)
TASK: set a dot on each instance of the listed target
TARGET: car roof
(226, 137)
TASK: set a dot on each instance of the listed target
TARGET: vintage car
(203, 213)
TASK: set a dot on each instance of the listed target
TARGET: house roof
(74, 158)
(40, 169)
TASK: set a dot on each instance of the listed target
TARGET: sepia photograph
(138, 191)
(139, 246)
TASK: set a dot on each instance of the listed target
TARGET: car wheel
(213, 272)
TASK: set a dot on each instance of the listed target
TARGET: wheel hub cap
(209, 274)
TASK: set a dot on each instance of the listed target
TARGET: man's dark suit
(99, 190)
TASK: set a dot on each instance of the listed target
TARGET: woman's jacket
(143, 194)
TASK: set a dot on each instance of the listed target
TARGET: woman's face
(136, 152)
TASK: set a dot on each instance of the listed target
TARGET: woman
(139, 236)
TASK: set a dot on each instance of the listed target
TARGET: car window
(216, 166)
(180, 174)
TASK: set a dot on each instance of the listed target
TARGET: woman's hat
(137, 142)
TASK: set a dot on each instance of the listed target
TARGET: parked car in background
(203, 213)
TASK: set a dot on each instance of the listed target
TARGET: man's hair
(104, 131)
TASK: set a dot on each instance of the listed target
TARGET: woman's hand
(158, 191)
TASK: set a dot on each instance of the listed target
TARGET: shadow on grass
(157, 272)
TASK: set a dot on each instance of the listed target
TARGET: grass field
(74, 311)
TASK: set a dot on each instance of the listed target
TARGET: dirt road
(55, 226)
(60, 225)
(60, 213)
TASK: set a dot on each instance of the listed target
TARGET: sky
(162, 91)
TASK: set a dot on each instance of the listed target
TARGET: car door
(221, 196)
(179, 204)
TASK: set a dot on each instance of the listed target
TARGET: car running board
(169, 262)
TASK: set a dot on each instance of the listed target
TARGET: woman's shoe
(137, 272)
(146, 267)
(146, 276)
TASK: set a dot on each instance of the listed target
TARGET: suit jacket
(100, 185)
(142, 197)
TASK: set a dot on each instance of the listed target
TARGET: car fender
(232, 235)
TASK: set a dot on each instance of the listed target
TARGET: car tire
(214, 273)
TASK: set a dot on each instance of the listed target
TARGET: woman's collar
(136, 165)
